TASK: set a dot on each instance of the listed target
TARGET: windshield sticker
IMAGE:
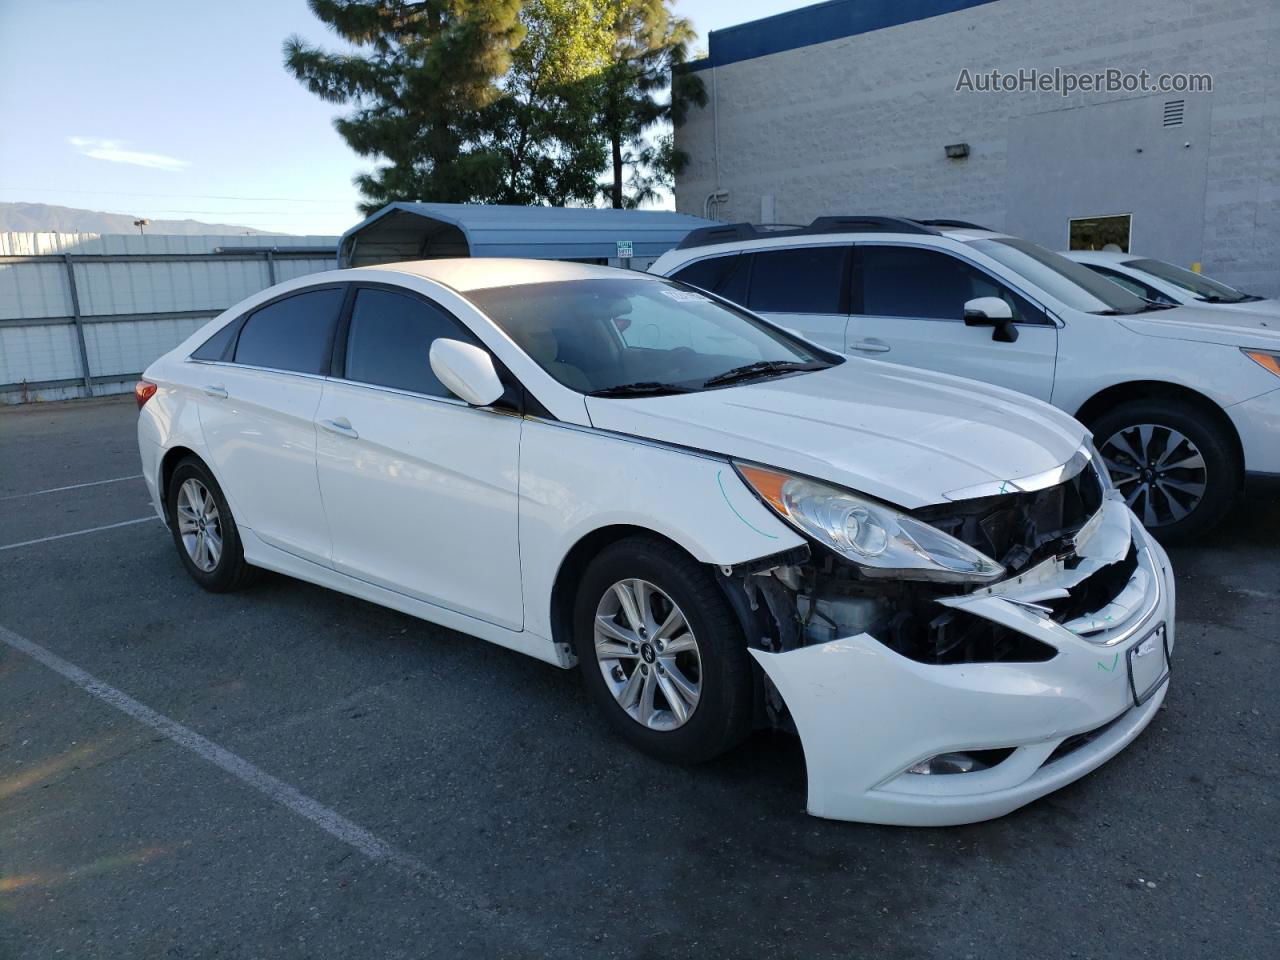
(686, 296)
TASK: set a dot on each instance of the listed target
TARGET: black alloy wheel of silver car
(662, 652)
(204, 530)
(1172, 462)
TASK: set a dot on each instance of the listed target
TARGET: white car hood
(903, 435)
(1240, 328)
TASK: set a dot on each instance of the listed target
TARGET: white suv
(1183, 401)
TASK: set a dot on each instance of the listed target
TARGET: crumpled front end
(927, 706)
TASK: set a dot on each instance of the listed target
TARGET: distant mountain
(47, 218)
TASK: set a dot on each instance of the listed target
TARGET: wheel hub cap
(648, 655)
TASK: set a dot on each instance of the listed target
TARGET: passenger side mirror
(991, 312)
(467, 370)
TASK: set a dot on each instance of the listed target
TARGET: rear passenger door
(259, 384)
(908, 307)
(805, 289)
(419, 488)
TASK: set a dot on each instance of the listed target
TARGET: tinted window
(292, 334)
(1073, 283)
(799, 280)
(726, 276)
(390, 339)
(914, 282)
(217, 346)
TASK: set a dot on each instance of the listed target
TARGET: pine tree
(649, 47)
(425, 74)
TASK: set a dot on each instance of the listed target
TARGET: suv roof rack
(729, 232)
(963, 224)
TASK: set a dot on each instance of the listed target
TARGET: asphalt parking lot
(287, 772)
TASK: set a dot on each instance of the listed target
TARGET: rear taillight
(143, 391)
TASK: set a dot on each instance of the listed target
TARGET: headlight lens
(881, 540)
(1268, 361)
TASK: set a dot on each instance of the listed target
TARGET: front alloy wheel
(1175, 463)
(661, 651)
(648, 655)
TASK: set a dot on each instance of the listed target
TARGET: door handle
(870, 345)
(216, 390)
(341, 426)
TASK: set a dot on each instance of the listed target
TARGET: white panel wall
(148, 293)
(38, 353)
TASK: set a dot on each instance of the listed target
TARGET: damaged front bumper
(867, 715)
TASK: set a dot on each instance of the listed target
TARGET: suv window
(389, 341)
(916, 282)
(294, 334)
(726, 276)
(800, 280)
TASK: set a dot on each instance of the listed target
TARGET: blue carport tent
(421, 231)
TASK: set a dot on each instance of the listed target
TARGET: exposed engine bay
(809, 595)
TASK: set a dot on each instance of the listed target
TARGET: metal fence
(83, 314)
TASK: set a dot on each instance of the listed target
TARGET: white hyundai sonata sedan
(726, 526)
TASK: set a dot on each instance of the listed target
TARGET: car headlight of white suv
(883, 542)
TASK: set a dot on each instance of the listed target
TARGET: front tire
(1175, 465)
(204, 530)
(661, 652)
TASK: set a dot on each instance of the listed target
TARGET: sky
(175, 109)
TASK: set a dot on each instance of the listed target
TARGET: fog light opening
(967, 762)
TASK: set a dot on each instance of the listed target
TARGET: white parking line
(330, 821)
(76, 533)
(71, 486)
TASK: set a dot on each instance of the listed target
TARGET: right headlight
(1264, 358)
(882, 541)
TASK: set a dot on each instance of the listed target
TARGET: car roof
(1098, 256)
(766, 242)
(479, 273)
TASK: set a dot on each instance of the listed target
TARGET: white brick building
(846, 107)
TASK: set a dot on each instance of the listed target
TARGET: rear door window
(800, 280)
(389, 341)
(294, 333)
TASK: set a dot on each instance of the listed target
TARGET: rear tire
(1175, 465)
(204, 530)
(676, 683)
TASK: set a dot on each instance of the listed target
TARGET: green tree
(421, 82)
(643, 88)
(544, 124)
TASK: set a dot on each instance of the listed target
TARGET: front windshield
(635, 336)
(1202, 287)
(1074, 284)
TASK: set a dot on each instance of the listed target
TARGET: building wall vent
(1173, 112)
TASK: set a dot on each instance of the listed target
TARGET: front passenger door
(908, 307)
(420, 489)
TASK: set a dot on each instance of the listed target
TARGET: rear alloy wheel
(662, 653)
(1174, 466)
(199, 525)
(204, 530)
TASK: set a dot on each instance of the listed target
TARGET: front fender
(575, 481)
